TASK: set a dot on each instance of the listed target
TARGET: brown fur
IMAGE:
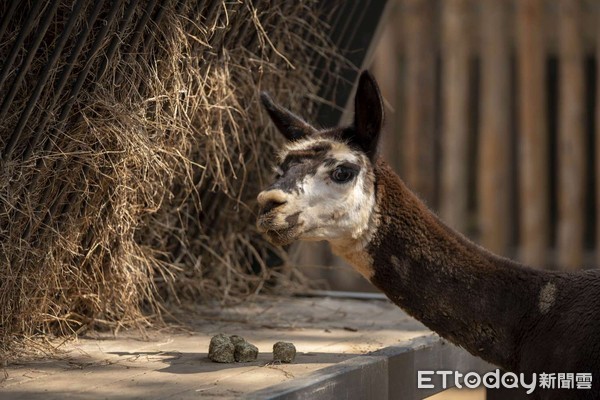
(521, 319)
(479, 301)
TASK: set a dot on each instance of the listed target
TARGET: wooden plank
(358, 378)
(386, 69)
(533, 141)
(571, 138)
(493, 189)
(419, 120)
(386, 374)
(455, 97)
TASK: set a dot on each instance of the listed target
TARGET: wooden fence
(493, 120)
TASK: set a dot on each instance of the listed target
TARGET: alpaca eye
(342, 175)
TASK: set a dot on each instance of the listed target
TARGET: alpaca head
(324, 188)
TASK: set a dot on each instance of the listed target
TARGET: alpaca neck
(464, 293)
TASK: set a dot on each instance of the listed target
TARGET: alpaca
(332, 186)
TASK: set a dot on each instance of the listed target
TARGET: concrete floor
(172, 363)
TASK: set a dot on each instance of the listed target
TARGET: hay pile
(127, 186)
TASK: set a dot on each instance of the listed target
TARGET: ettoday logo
(495, 380)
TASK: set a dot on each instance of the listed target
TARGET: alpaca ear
(368, 114)
(290, 125)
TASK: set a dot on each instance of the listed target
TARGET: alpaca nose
(271, 199)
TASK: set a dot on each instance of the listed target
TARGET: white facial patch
(323, 208)
(547, 297)
(331, 210)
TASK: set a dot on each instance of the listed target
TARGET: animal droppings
(245, 352)
(284, 352)
(228, 349)
(235, 339)
(221, 349)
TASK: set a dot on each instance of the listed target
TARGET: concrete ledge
(390, 373)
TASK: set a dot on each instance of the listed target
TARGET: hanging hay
(127, 184)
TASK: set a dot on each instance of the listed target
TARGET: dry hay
(141, 198)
